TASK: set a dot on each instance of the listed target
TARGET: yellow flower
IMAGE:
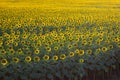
(25, 47)
(110, 47)
(28, 59)
(15, 44)
(81, 52)
(98, 42)
(89, 51)
(12, 51)
(36, 59)
(22, 42)
(1, 47)
(10, 48)
(3, 51)
(71, 54)
(81, 60)
(75, 44)
(89, 43)
(69, 46)
(100, 39)
(19, 51)
(118, 44)
(46, 57)
(55, 48)
(77, 40)
(55, 58)
(77, 51)
(61, 45)
(98, 50)
(62, 56)
(46, 45)
(1, 43)
(83, 43)
(16, 60)
(24, 36)
(37, 51)
(48, 49)
(104, 49)
(4, 62)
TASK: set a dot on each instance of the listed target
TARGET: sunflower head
(71, 54)
(81, 52)
(28, 59)
(48, 49)
(104, 49)
(16, 60)
(37, 51)
(4, 62)
(62, 56)
(89, 51)
(55, 48)
(81, 60)
(36, 58)
(46, 57)
(55, 57)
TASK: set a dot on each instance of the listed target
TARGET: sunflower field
(65, 41)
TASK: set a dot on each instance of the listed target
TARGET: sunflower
(77, 40)
(98, 50)
(4, 62)
(77, 51)
(15, 44)
(22, 42)
(89, 43)
(110, 47)
(36, 58)
(37, 51)
(61, 45)
(25, 47)
(1, 43)
(55, 57)
(7, 42)
(10, 48)
(46, 45)
(71, 54)
(81, 53)
(16, 60)
(1, 47)
(3, 51)
(28, 59)
(75, 44)
(104, 49)
(84, 43)
(100, 39)
(98, 42)
(46, 57)
(118, 44)
(89, 51)
(69, 46)
(81, 60)
(48, 49)
(38, 44)
(55, 48)
(24, 36)
(62, 56)
(91, 38)
(19, 51)
(12, 51)
(107, 41)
